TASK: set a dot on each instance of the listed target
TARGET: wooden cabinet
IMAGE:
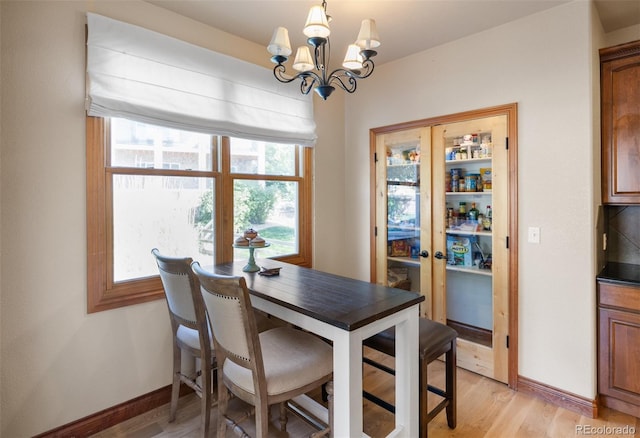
(619, 346)
(620, 116)
(463, 265)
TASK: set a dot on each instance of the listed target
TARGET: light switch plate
(534, 235)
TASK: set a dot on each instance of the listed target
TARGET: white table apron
(347, 366)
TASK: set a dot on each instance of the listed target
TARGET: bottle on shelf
(486, 223)
(473, 212)
(462, 209)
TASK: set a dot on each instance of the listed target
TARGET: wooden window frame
(102, 292)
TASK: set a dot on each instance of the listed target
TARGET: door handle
(439, 255)
(424, 254)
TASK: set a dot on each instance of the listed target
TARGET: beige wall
(631, 33)
(329, 181)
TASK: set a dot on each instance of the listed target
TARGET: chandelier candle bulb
(353, 59)
(303, 61)
(317, 24)
(368, 36)
(280, 45)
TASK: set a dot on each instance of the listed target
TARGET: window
(265, 194)
(151, 186)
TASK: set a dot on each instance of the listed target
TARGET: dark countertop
(624, 273)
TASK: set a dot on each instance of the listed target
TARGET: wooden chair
(435, 339)
(190, 330)
(261, 369)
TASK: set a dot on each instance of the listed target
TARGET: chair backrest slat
(226, 322)
(180, 303)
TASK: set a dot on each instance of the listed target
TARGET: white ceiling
(405, 26)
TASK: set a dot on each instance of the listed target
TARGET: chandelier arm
(307, 80)
(338, 76)
(343, 79)
(280, 70)
(365, 72)
(368, 67)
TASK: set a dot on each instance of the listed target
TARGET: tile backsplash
(622, 225)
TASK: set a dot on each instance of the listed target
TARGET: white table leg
(347, 385)
(407, 369)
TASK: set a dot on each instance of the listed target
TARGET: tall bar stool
(265, 368)
(435, 339)
(190, 329)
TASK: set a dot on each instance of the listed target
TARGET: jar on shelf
(488, 150)
(470, 182)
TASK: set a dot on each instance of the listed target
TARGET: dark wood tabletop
(340, 301)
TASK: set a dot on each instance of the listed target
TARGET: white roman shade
(146, 76)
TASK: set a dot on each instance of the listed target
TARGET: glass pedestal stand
(251, 265)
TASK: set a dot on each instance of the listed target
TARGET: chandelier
(313, 72)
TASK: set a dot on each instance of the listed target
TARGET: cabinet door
(621, 128)
(619, 361)
(471, 259)
(403, 222)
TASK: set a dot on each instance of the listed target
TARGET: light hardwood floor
(486, 408)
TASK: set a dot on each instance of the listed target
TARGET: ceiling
(405, 26)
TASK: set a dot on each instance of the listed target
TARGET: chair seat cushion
(189, 336)
(292, 359)
(432, 336)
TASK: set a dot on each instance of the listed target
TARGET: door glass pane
(271, 208)
(468, 194)
(261, 158)
(403, 216)
(173, 214)
(135, 144)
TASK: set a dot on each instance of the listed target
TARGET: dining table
(344, 311)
